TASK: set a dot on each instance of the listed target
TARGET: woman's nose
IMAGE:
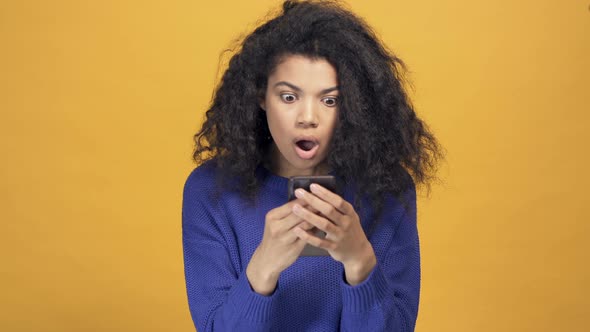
(308, 116)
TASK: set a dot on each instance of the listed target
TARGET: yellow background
(99, 101)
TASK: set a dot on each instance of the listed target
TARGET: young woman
(310, 92)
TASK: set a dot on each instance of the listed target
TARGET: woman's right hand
(279, 248)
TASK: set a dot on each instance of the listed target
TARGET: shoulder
(202, 179)
(404, 201)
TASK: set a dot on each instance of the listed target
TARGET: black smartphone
(326, 181)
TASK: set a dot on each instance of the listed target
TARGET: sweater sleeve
(388, 299)
(219, 295)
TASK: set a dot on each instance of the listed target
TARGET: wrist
(357, 270)
(262, 280)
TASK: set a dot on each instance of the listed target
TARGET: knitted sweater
(220, 235)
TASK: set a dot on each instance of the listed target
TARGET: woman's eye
(288, 98)
(330, 101)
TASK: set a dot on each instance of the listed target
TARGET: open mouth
(306, 148)
(306, 145)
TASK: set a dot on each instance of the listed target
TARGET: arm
(383, 288)
(219, 295)
(387, 300)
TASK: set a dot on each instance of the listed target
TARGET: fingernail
(314, 187)
(299, 193)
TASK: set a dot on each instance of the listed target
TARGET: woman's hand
(345, 239)
(279, 248)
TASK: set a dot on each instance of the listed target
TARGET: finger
(285, 224)
(281, 230)
(299, 244)
(306, 226)
(315, 220)
(284, 210)
(335, 200)
(314, 240)
(292, 235)
(322, 206)
(311, 208)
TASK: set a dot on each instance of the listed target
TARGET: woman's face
(302, 111)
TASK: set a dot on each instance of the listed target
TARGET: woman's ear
(262, 104)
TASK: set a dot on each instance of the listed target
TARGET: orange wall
(99, 101)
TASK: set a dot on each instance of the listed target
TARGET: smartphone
(326, 181)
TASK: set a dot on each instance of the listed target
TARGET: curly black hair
(379, 144)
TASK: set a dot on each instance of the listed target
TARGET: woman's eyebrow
(298, 89)
(329, 90)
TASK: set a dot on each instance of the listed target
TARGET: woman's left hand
(345, 239)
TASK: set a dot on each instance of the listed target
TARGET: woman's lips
(299, 148)
(303, 154)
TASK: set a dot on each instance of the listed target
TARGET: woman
(310, 92)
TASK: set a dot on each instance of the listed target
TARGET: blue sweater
(220, 236)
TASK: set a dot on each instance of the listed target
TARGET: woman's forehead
(304, 73)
